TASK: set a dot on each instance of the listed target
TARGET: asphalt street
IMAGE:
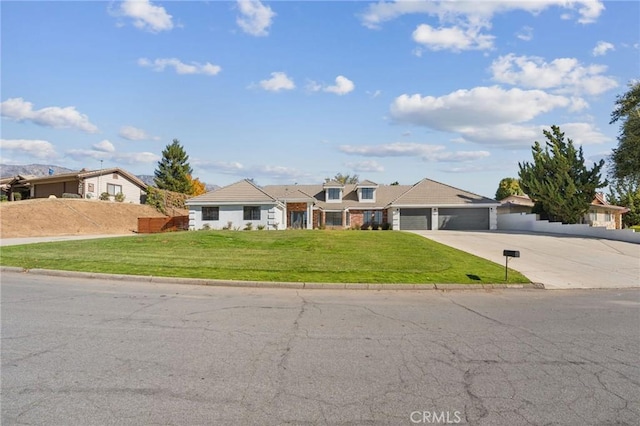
(93, 352)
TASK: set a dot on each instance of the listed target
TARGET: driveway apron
(557, 261)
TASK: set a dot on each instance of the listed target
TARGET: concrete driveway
(558, 262)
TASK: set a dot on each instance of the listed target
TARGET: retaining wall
(532, 223)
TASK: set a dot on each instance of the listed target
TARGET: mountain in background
(9, 170)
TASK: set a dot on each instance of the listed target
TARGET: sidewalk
(33, 240)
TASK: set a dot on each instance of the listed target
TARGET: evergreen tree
(626, 192)
(626, 157)
(508, 186)
(624, 169)
(558, 181)
(174, 170)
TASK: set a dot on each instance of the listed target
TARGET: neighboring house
(87, 184)
(600, 213)
(427, 205)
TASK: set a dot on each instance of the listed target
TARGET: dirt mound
(67, 216)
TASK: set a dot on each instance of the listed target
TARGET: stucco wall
(530, 223)
(272, 217)
(131, 191)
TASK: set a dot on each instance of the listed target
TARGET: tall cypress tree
(558, 180)
(174, 170)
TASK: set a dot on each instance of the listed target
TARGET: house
(89, 184)
(601, 213)
(427, 205)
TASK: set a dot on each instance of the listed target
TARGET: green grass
(291, 256)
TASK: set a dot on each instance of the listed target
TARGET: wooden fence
(152, 225)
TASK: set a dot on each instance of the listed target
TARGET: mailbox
(511, 253)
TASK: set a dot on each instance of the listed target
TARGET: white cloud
(255, 18)
(518, 136)
(563, 75)
(342, 87)
(583, 133)
(473, 11)
(480, 106)
(179, 66)
(18, 109)
(134, 134)
(219, 166)
(408, 149)
(526, 34)
(365, 167)
(602, 48)
(31, 147)
(239, 169)
(104, 146)
(146, 16)
(120, 157)
(452, 38)
(278, 81)
(104, 150)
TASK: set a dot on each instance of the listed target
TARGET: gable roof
(79, 175)
(429, 192)
(244, 191)
(424, 193)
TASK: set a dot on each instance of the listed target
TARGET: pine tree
(558, 180)
(173, 169)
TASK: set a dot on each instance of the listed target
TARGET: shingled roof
(429, 192)
(244, 191)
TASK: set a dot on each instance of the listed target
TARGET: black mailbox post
(507, 254)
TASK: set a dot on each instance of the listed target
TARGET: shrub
(248, 226)
(3, 198)
(260, 227)
(228, 227)
(119, 197)
(70, 195)
(105, 196)
(17, 196)
(386, 226)
(206, 227)
(88, 195)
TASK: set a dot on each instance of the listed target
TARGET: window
(210, 213)
(367, 193)
(607, 216)
(333, 218)
(251, 213)
(333, 193)
(372, 216)
(91, 187)
(114, 189)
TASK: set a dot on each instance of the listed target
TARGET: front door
(298, 220)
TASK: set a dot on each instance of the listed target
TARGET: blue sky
(293, 91)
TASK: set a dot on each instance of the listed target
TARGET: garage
(461, 219)
(415, 219)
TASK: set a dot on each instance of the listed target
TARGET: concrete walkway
(33, 240)
(558, 262)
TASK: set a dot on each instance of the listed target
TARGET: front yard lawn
(290, 256)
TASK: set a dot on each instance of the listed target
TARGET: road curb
(268, 284)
